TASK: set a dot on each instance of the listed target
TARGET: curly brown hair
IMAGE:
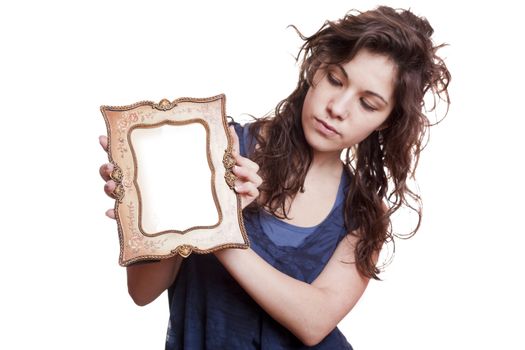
(380, 165)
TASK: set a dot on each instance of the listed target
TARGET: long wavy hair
(380, 165)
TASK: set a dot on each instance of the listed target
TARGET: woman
(316, 223)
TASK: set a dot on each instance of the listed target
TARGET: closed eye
(367, 106)
(333, 80)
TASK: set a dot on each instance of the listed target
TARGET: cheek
(362, 130)
(307, 103)
(315, 99)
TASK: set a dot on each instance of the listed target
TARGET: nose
(339, 106)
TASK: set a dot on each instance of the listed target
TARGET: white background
(458, 284)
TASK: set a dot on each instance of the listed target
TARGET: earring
(381, 140)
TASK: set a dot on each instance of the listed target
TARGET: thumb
(235, 139)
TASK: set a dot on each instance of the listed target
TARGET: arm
(310, 311)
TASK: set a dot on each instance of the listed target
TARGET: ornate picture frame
(173, 198)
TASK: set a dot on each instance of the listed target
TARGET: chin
(318, 144)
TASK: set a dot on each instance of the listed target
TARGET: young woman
(316, 223)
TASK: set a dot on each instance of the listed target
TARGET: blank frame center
(175, 187)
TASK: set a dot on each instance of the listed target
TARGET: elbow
(311, 337)
(140, 299)
(142, 294)
(312, 341)
(140, 302)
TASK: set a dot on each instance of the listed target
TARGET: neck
(325, 168)
(326, 161)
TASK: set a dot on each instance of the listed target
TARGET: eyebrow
(366, 91)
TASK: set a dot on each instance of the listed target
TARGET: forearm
(300, 307)
(146, 281)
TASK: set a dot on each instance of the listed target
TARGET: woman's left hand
(248, 181)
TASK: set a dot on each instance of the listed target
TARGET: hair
(380, 165)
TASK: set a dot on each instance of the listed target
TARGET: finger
(105, 171)
(110, 213)
(235, 139)
(251, 190)
(103, 142)
(248, 175)
(245, 162)
(109, 187)
(247, 190)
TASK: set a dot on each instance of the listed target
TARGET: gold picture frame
(173, 169)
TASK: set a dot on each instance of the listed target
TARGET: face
(347, 102)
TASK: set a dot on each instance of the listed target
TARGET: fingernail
(109, 167)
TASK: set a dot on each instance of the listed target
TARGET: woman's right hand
(105, 172)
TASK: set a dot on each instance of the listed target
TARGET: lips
(325, 127)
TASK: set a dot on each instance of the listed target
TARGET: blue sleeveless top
(208, 308)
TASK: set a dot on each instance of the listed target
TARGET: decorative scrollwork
(185, 250)
(116, 175)
(229, 163)
(164, 105)
(230, 178)
(118, 192)
(228, 160)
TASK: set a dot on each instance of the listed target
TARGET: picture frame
(174, 182)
